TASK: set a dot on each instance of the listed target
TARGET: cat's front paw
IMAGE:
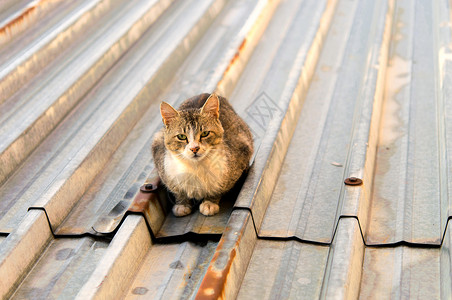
(180, 210)
(208, 208)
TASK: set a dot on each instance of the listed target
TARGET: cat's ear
(168, 113)
(212, 106)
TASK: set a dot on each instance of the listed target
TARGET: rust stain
(101, 283)
(214, 282)
(142, 201)
(20, 21)
(233, 60)
(148, 202)
(242, 45)
(250, 39)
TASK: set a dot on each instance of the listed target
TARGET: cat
(201, 151)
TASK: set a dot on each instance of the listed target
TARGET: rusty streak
(214, 283)
(143, 199)
(20, 21)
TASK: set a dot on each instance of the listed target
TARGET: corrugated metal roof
(309, 195)
(331, 89)
(409, 187)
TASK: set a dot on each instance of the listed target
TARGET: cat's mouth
(196, 156)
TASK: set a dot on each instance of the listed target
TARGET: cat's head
(192, 133)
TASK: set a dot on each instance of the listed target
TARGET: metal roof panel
(310, 188)
(63, 268)
(283, 91)
(292, 270)
(310, 79)
(401, 272)
(172, 270)
(21, 135)
(407, 190)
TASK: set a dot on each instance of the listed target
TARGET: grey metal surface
(282, 90)
(307, 198)
(292, 270)
(20, 250)
(117, 268)
(408, 272)
(409, 189)
(81, 85)
(172, 271)
(26, 53)
(345, 262)
(72, 261)
(401, 272)
(296, 270)
(445, 108)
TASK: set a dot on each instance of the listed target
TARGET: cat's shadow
(197, 223)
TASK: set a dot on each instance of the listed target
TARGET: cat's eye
(205, 133)
(182, 137)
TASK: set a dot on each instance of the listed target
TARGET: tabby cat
(201, 152)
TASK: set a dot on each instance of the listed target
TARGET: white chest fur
(197, 179)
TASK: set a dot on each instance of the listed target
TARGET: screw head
(147, 188)
(353, 181)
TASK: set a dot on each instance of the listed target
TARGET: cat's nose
(194, 149)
